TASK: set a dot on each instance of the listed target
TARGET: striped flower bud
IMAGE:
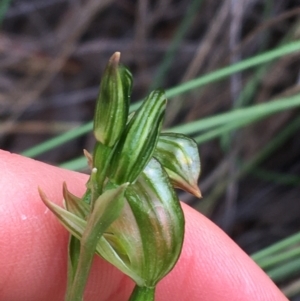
(180, 158)
(138, 141)
(113, 102)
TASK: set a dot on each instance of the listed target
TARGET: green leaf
(138, 141)
(180, 158)
(113, 102)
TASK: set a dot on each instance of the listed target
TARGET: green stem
(142, 294)
(101, 158)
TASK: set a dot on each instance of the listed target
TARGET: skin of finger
(33, 248)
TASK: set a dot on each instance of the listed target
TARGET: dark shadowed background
(52, 55)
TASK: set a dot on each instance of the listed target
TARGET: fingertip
(33, 259)
(213, 268)
(33, 244)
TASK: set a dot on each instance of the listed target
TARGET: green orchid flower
(130, 214)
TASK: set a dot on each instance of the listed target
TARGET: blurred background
(52, 55)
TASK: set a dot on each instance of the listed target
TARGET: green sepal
(113, 102)
(107, 208)
(74, 224)
(77, 225)
(150, 228)
(160, 219)
(74, 204)
(180, 158)
(137, 143)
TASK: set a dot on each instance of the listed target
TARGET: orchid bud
(113, 102)
(137, 142)
(180, 158)
(110, 115)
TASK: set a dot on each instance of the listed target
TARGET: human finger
(33, 252)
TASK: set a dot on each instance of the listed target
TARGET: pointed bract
(89, 158)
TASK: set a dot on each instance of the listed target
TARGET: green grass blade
(277, 247)
(4, 5)
(256, 111)
(230, 121)
(58, 140)
(276, 260)
(287, 270)
(63, 138)
(196, 83)
(243, 65)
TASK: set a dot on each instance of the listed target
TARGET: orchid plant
(130, 214)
